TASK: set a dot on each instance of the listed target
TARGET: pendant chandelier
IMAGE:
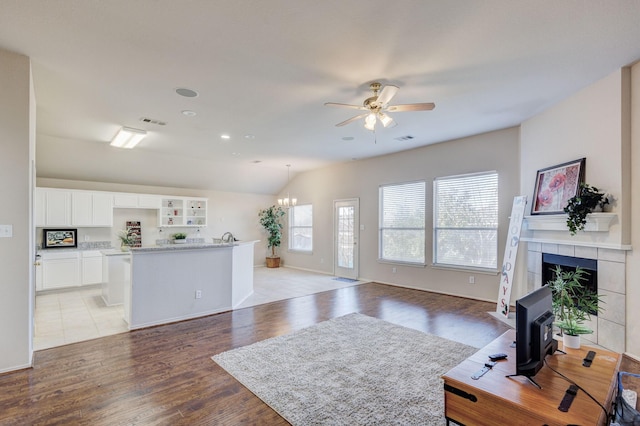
(287, 201)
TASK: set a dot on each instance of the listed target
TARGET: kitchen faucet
(227, 237)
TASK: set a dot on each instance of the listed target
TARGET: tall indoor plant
(573, 304)
(270, 221)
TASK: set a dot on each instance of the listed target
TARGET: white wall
(497, 150)
(600, 123)
(588, 124)
(233, 212)
(16, 253)
(633, 257)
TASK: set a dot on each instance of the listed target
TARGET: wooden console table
(495, 399)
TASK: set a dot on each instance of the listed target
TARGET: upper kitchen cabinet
(181, 211)
(89, 208)
(52, 207)
(137, 201)
(67, 207)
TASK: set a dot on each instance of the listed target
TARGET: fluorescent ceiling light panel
(128, 137)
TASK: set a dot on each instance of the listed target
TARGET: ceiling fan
(377, 106)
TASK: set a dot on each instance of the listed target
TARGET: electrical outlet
(6, 231)
(198, 294)
(393, 270)
(472, 279)
(321, 260)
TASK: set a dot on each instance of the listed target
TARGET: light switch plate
(6, 231)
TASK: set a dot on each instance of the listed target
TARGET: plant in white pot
(270, 221)
(179, 238)
(573, 304)
(127, 239)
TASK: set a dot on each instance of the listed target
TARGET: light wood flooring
(164, 375)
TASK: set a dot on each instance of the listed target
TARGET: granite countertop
(169, 247)
(115, 252)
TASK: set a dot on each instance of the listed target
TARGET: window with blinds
(402, 222)
(465, 220)
(301, 228)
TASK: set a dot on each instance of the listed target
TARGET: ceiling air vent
(152, 121)
(404, 138)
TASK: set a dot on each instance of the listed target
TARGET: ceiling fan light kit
(377, 106)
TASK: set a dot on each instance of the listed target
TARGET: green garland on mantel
(580, 205)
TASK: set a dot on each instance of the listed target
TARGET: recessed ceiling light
(249, 136)
(187, 93)
(347, 138)
(189, 113)
(225, 137)
(235, 154)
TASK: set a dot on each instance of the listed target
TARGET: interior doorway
(346, 235)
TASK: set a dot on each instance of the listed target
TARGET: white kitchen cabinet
(183, 211)
(89, 208)
(60, 269)
(91, 267)
(136, 201)
(38, 272)
(52, 207)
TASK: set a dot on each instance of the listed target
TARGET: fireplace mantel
(596, 222)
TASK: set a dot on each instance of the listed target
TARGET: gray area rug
(351, 370)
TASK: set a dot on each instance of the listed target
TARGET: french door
(346, 222)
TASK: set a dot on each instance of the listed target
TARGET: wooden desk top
(514, 400)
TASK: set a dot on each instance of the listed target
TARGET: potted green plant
(580, 205)
(179, 238)
(127, 239)
(270, 221)
(573, 304)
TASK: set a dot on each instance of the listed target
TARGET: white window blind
(402, 222)
(465, 220)
(301, 228)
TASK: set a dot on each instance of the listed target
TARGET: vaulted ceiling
(264, 69)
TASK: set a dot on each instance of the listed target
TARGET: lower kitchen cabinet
(70, 268)
(60, 270)
(91, 267)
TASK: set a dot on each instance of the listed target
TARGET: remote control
(498, 356)
(588, 359)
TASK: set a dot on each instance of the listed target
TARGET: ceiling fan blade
(388, 92)
(333, 104)
(352, 119)
(412, 107)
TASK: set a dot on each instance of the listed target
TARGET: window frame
(381, 228)
(490, 269)
(291, 229)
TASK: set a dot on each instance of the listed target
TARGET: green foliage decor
(572, 301)
(581, 204)
(179, 236)
(270, 221)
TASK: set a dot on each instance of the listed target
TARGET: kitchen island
(183, 281)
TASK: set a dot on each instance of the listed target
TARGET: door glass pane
(345, 236)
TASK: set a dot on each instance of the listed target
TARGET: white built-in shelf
(596, 222)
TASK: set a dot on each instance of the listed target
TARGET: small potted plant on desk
(573, 304)
(179, 238)
(270, 221)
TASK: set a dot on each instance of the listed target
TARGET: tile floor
(68, 316)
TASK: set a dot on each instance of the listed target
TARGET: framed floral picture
(555, 185)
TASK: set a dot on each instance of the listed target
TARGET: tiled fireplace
(609, 325)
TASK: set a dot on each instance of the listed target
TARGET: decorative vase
(124, 247)
(273, 262)
(570, 341)
(182, 241)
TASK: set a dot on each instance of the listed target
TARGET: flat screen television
(534, 332)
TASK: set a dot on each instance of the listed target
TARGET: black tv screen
(534, 331)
